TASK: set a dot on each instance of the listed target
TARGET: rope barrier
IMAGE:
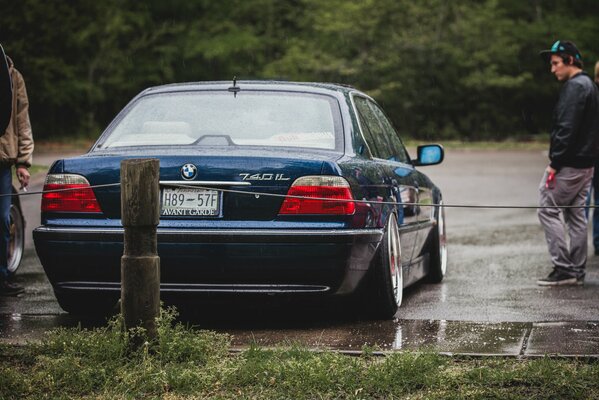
(26, 193)
(381, 202)
(376, 202)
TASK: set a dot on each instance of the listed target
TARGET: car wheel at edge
(385, 290)
(438, 249)
(17, 239)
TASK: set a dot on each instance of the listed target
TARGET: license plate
(190, 202)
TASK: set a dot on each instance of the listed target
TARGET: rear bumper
(214, 261)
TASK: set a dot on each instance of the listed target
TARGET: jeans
(594, 195)
(570, 188)
(5, 201)
(596, 210)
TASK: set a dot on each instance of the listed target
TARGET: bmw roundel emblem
(189, 171)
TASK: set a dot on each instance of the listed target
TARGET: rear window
(211, 118)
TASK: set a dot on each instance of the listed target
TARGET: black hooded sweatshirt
(575, 129)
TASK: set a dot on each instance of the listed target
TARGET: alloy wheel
(442, 239)
(394, 258)
(17, 238)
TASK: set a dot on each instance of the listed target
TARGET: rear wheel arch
(437, 244)
(383, 290)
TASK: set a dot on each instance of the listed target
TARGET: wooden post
(140, 264)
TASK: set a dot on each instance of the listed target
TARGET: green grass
(538, 142)
(508, 144)
(64, 144)
(185, 363)
(33, 171)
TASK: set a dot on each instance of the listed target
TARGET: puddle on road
(521, 235)
(454, 337)
(575, 338)
(21, 328)
(439, 336)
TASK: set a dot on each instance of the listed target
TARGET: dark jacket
(575, 130)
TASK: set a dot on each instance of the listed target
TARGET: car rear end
(252, 197)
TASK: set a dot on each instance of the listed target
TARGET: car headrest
(166, 127)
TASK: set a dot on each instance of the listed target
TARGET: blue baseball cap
(562, 47)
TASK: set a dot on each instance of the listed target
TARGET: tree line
(442, 69)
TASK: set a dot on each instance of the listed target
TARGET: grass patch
(537, 143)
(186, 363)
(64, 144)
(34, 170)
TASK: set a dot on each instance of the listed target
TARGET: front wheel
(438, 248)
(17, 239)
(384, 291)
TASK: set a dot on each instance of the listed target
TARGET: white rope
(316, 198)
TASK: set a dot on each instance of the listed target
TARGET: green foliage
(177, 343)
(78, 362)
(187, 363)
(464, 69)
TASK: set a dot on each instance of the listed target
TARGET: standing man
(596, 187)
(5, 93)
(572, 154)
(16, 147)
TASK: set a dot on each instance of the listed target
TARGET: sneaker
(558, 278)
(10, 289)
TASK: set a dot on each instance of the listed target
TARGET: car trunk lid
(240, 184)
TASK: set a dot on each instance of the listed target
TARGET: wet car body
(384, 236)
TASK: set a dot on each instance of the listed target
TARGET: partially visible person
(5, 93)
(16, 148)
(574, 148)
(596, 187)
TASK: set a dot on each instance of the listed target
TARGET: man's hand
(550, 177)
(23, 176)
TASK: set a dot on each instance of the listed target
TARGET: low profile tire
(438, 249)
(17, 239)
(384, 291)
(87, 304)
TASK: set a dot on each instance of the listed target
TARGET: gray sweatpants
(570, 188)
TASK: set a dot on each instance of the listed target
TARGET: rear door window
(398, 150)
(372, 129)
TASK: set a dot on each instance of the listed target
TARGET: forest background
(442, 69)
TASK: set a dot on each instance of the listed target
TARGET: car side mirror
(430, 154)
(5, 93)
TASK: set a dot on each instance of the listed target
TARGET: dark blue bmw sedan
(266, 188)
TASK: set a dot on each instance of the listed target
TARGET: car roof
(253, 85)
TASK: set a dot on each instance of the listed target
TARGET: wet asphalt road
(489, 302)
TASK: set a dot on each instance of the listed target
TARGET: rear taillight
(319, 195)
(68, 193)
